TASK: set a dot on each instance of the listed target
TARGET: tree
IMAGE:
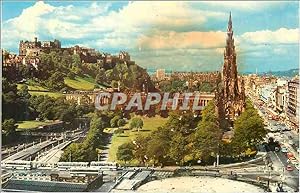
(121, 122)
(76, 60)
(114, 121)
(140, 151)
(24, 92)
(125, 152)
(9, 127)
(101, 77)
(178, 148)
(208, 135)
(114, 84)
(56, 81)
(159, 145)
(71, 75)
(136, 122)
(248, 129)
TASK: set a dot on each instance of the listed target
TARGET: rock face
(230, 96)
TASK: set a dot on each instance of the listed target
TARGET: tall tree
(136, 122)
(208, 135)
(248, 129)
(125, 152)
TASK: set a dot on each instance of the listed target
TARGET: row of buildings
(280, 95)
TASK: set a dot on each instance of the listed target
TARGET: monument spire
(232, 94)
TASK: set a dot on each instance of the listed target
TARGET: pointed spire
(229, 23)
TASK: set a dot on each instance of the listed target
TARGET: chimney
(35, 39)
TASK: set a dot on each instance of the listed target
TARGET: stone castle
(34, 48)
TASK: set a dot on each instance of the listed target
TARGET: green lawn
(39, 90)
(81, 83)
(150, 124)
(33, 88)
(31, 124)
(51, 94)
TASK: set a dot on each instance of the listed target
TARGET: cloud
(104, 26)
(194, 39)
(182, 35)
(245, 5)
(280, 36)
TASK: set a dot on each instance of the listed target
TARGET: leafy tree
(101, 77)
(114, 121)
(136, 122)
(76, 60)
(56, 81)
(125, 152)
(121, 122)
(114, 84)
(24, 92)
(248, 129)
(178, 148)
(9, 127)
(140, 151)
(208, 135)
(159, 146)
(182, 122)
(71, 75)
(9, 130)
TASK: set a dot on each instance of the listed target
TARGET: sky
(178, 36)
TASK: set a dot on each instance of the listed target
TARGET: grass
(81, 83)
(22, 125)
(33, 88)
(150, 124)
(51, 94)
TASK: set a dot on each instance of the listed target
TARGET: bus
(75, 171)
(68, 165)
(104, 165)
(44, 166)
(17, 164)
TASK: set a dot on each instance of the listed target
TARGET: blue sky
(187, 36)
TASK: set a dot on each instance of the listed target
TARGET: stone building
(124, 56)
(293, 103)
(34, 48)
(230, 95)
(160, 74)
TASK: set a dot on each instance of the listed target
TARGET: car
(291, 142)
(297, 166)
(284, 150)
(289, 168)
(287, 129)
(294, 161)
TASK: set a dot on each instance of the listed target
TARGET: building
(160, 74)
(56, 181)
(281, 95)
(199, 77)
(124, 56)
(268, 93)
(293, 103)
(230, 96)
(34, 48)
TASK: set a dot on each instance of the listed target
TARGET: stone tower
(231, 94)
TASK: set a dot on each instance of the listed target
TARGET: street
(288, 140)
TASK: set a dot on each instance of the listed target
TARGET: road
(288, 139)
